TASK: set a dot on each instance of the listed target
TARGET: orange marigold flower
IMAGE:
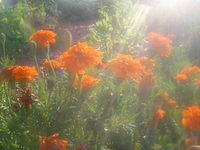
(43, 37)
(80, 57)
(186, 73)
(159, 43)
(191, 118)
(50, 143)
(160, 114)
(190, 70)
(23, 73)
(124, 66)
(48, 63)
(19, 73)
(181, 77)
(86, 81)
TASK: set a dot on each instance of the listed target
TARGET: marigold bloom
(124, 66)
(50, 143)
(190, 70)
(191, 118)
(19, 73)
(86, 81)
(43, 37)
(23, 73)
(187, 73)
(80, 57)
(181, 77)
(159, 43)
(48, 63)
(160, 114)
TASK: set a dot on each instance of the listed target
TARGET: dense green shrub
(15, 29)
(16, 24)
(118, 28)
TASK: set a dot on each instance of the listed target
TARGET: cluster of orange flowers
(47, 64)
(191, 118)
(80, 57)
(124, 66)
(159, 43)
(187, 73)
(19, 73)
(43, 37)
(51, 143)
(86, 81)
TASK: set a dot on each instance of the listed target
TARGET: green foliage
(11, 24)
(16, 24)
(120, 29)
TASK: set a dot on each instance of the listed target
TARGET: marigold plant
(191, 118)
(80, 57)
(43, 37)
(159, 43)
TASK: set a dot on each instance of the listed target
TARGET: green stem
(80, 84)
(48, 58)
(35, 56)
(4, 44)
